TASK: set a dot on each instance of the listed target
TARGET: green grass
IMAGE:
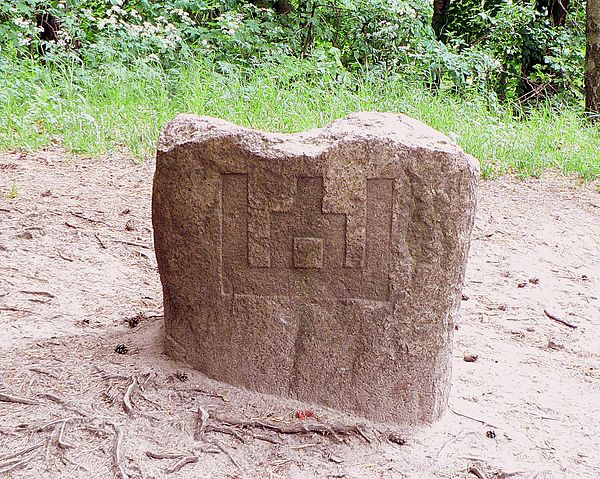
(12, 193)
(124, 108)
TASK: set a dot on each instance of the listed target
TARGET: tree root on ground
(232, 426)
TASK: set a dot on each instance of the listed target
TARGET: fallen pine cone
(396, 439)
(182, 376)
(470, 358)
(135, 320)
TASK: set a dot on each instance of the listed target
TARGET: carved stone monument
(324, 266)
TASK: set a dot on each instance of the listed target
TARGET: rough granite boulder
(325, 266)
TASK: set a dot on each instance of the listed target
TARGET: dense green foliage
(532, 51)
(97, 75)
(484, 45)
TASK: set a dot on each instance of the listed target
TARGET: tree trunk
(438, 21)
(556, 9)
(282, 6)
(307, 44)
(592, 58)
(558, 12)
(532, 55)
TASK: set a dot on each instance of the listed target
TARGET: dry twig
(20, 452)
(225, 429)
(559, 320)
(485, 423)
(164, 455)
(230, 456)
(97, 236)
(46, 426)
(96, 430)
(12, 465)
(265, 438)
(203, 413)
(476, 472)
(43, 371)
(127, 397)
(17, 399)
(117, 452)
(38, 293)
(61, 442)
(16, 310)
(182, 462)
(58, 400)
(66, 258)
(132, 243)
(197, 389)
(183, 459)
(86, 218)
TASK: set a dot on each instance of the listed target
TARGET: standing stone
(324, 266)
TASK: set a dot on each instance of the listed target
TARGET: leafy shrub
(507, 48)
(535, 58)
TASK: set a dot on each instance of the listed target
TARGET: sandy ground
(76, 263)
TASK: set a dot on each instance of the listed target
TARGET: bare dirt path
(76, 263)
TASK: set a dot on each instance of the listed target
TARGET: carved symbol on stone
(308, 252)
(299, 249)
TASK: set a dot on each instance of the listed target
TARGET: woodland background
(505, 78)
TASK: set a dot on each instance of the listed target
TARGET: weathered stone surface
(325, 266)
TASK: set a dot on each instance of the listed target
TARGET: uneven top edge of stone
(372, 126)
